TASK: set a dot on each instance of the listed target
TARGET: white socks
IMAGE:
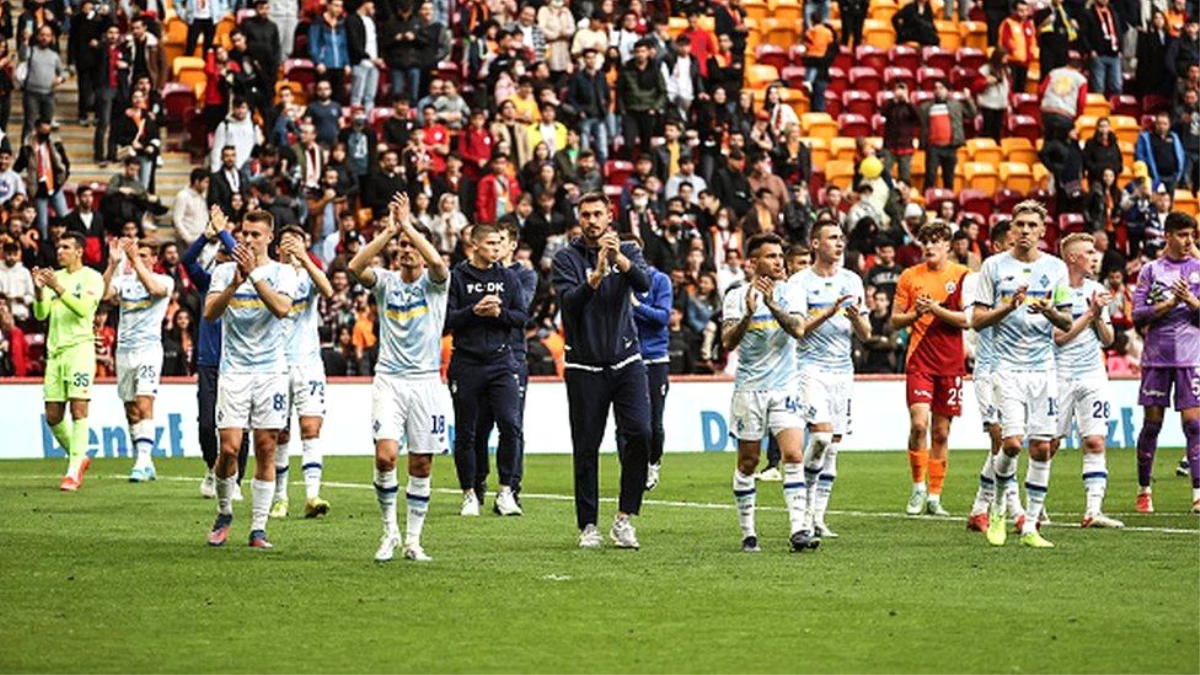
(417, 496)
(386, 488)
(225, 494)
(261, 493)
(312, 467)
(1095, 481)
(281, 471)
(986, 494)
(141, 435)
(1037, 484)
(1004, 468)
(795, 495)
(825, 484)
(746, 495)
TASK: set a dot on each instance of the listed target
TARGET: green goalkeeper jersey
(71, 316)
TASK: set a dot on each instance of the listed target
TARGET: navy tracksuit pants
(589, 395)
(474, 386)
(483, 428)
(657, 376)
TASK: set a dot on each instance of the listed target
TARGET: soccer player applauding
(409, 399)
(1165, 303)
(1019, 292)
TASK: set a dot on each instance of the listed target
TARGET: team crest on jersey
(951, 286)
(1194, 278)
(1044, 281)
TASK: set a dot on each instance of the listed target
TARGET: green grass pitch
(117, 578)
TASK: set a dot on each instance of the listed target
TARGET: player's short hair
(1000, 230)
(763, 239)
(1075, 238)
(197, 175)
(592, 197)
(146, 242)
(482, 230)
(260, 216)
(1029, 206)
(821, 225)
(510, 228)
(1177, 221)
(798, 250)
(77, 237)
(292, 229)
(934, 230)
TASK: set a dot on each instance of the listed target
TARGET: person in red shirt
(12, 343)
(475, 145)
(1018, 37)
(435, 141)
(703, 44)
(498, 192)
(929, 300)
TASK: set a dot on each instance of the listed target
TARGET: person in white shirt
(11, 183)
(238, 130)
(687, 174)
(16, 283)
(190, 212)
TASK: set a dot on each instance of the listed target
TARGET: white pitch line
(684, 505)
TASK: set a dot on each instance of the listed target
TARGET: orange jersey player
(929, 302)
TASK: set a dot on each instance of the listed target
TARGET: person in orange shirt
(1018, 36)
(929, 302)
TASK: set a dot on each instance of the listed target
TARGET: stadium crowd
(707, 122)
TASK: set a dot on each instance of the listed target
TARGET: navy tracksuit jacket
(483, 369)
(652, 315)
(604, 369)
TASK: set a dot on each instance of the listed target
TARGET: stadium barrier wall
(696, 418)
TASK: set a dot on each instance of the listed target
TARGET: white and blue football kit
(252, 392)
(306, 371)
(983, 376)
(1023, 342)
(139, 335)
(764, 388)
(409, 400)
(826, 364)
(1083, 392)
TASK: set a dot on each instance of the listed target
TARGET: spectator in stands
(589, 95)
(45, 71)
(362, 44)
(879, 351)
(820, 50)
(1154, 75)
(942, 133)
(1018, 39)
(901, 131)
(201, 17)
(227, 180)
(145, 55)
(992, 86)
(190, 209)
(136, 135)
(914, 23)
(220, 73)
(1064, 160)
(885, 273)
(1101, 152)
(1187, 128)
(44, 160)
(325, 113)
(1162, 151)
(264, 40)
(1058, 33)
(83, 52)
(1064, 93)
(557, 26)
(88, 222)
(641, 98)
(1101, 41)
(14, 349)
(854, 13)
(1103, 207)
(127, 198)
(111, 77)
(16, 283)
(1184, 52)
(327, 45)
(681, 70)
(11, 183)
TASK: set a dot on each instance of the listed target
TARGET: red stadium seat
(935, 196)
(975, 201)
(866, 80)
(1070, 223)
(1027, 104)
(883, 98)
(927, 77)
(1006, 199)
(918, 97)
(838, 82)
(877, 122)
(858, 103)
(796, 55)
(450, 71)
(871, 57)
(961, 78)
(891, 75)
(793, 75)
(936, 57)
(833, 103)
(969, 58)
(300, 71)
(844, 58)
(1024, 126)
(903, 56)
(179, 104)
(617, 171)
(377, 118)
(771, 55)
(1126, 105)
(243, 14)
(853, 126)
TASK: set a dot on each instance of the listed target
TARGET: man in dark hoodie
(594, 277)
(486, 304)
(641, 96)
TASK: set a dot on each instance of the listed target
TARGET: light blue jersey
(411, 317)
(766, 357)
(303, 341)
(985, 354)
(253, 340)
(142, 314)
(1024, 339)
(828, 348)
(1083, 357)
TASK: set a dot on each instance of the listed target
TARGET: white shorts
(826, 398)
(1028, 403)
(252, 401)
(418, 411)
(306, 385)
(753, 413)
(985, 393)
(138, 373)
(1085, 402)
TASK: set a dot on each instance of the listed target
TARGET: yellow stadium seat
(1019, 150)
(877, 33)
(818, 148)
(1041, 176)
(175, 32)
(788, 11)
(1126, 153)
(225, 30)
(1185, 201)
(918, 172)
(1096, 106)
(973, 34)
(984, 150)
(189, 70)
(676, 25)
(754, 36)
(842, 149)
(708, 23)
(1017, 176)
(948, 35)
(1086, 125)
(884, 10)
(757, 9)
(779, 33)
(818, 124)
(795, 99)
(839, 173)
(761, 75)
(1126, 128)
